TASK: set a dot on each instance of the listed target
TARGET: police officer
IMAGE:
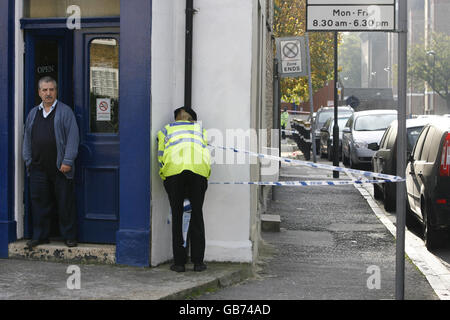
(284, 120)
(184, 163)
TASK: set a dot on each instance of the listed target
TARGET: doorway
(85, 64)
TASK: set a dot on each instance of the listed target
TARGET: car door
(378, 156)
(412, 170)
(346, 136)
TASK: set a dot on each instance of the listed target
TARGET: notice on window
(103, 109)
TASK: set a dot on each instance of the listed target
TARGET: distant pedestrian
(50, 147)
(184, 163)
(284, 121)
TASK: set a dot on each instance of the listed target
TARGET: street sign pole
(311, 102)
(336, 102)
(401, 150)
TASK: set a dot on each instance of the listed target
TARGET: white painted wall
(222, 86)
(18, 122)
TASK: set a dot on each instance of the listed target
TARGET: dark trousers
(283, 134)
(187, 185)
(50, 192)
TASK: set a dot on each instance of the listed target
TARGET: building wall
(223, 57)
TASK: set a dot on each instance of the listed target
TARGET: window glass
(392, 138)
(59, 8)
(419, 144)
(374, 122)
(46, 63)
(384, 138)
(104, 85)
(411, 136)
(435, 145)
(426, 144)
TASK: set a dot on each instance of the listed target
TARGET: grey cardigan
(66, 134)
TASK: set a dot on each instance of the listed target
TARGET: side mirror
(323, 129)
(346, 130)
(373, 146)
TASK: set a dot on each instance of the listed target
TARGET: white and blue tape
(379, 177)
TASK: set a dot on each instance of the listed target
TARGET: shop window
(104, 85)
(58, 8)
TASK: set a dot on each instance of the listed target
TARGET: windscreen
(374, 122)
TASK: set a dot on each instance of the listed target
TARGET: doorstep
(57, 251)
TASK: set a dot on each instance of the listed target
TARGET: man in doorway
(184, 163)
(50, 147)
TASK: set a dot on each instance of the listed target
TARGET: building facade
(130, 56)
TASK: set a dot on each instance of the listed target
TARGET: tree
(290, 21)
(350, 60)
(432, 65)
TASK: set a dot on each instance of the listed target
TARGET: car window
(349, 122)
(392, 137)
(434, 143)
(374, 122)
(323, 116)
(411, 137)
(419, 144)
(426, 144)
(384, 138)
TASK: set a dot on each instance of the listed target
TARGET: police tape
(289, 131)
(304, 183)
(366, 174)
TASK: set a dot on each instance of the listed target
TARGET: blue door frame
(7, 46)
(64, 40)
(133, 236)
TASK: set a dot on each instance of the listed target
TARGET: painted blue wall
(7, 223)
(133, 237)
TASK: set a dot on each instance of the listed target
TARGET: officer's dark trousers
(50, 192)
(187, 185)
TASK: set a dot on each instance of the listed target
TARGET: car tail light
(441, 201)
(444, 169)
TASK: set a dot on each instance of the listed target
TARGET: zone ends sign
(291, 54)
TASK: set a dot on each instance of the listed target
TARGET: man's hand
(65, 168)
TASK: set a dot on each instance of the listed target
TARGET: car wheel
(389, 201)
(431, 236)
(352, 165)
(344, 159)
(377, 193)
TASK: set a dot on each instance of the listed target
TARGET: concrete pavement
(331, 247)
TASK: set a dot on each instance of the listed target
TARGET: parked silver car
(362, 129)
(428, 182)
(385, 158)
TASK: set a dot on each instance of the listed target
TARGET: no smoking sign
(103, 109)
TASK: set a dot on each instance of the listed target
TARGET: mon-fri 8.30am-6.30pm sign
(350, 15)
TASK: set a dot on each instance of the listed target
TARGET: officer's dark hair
(187, 110)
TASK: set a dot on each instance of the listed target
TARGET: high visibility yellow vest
(284, 118)
(182, 145)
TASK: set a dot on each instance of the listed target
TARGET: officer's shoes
(199, 267)
(177, 268)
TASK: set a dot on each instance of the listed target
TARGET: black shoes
(33, 243)
(71, 243)
(181, 268)
(199, 267)
(177, 268)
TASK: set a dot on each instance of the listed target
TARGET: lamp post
(431, 53)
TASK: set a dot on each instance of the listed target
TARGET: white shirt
(41, 107)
